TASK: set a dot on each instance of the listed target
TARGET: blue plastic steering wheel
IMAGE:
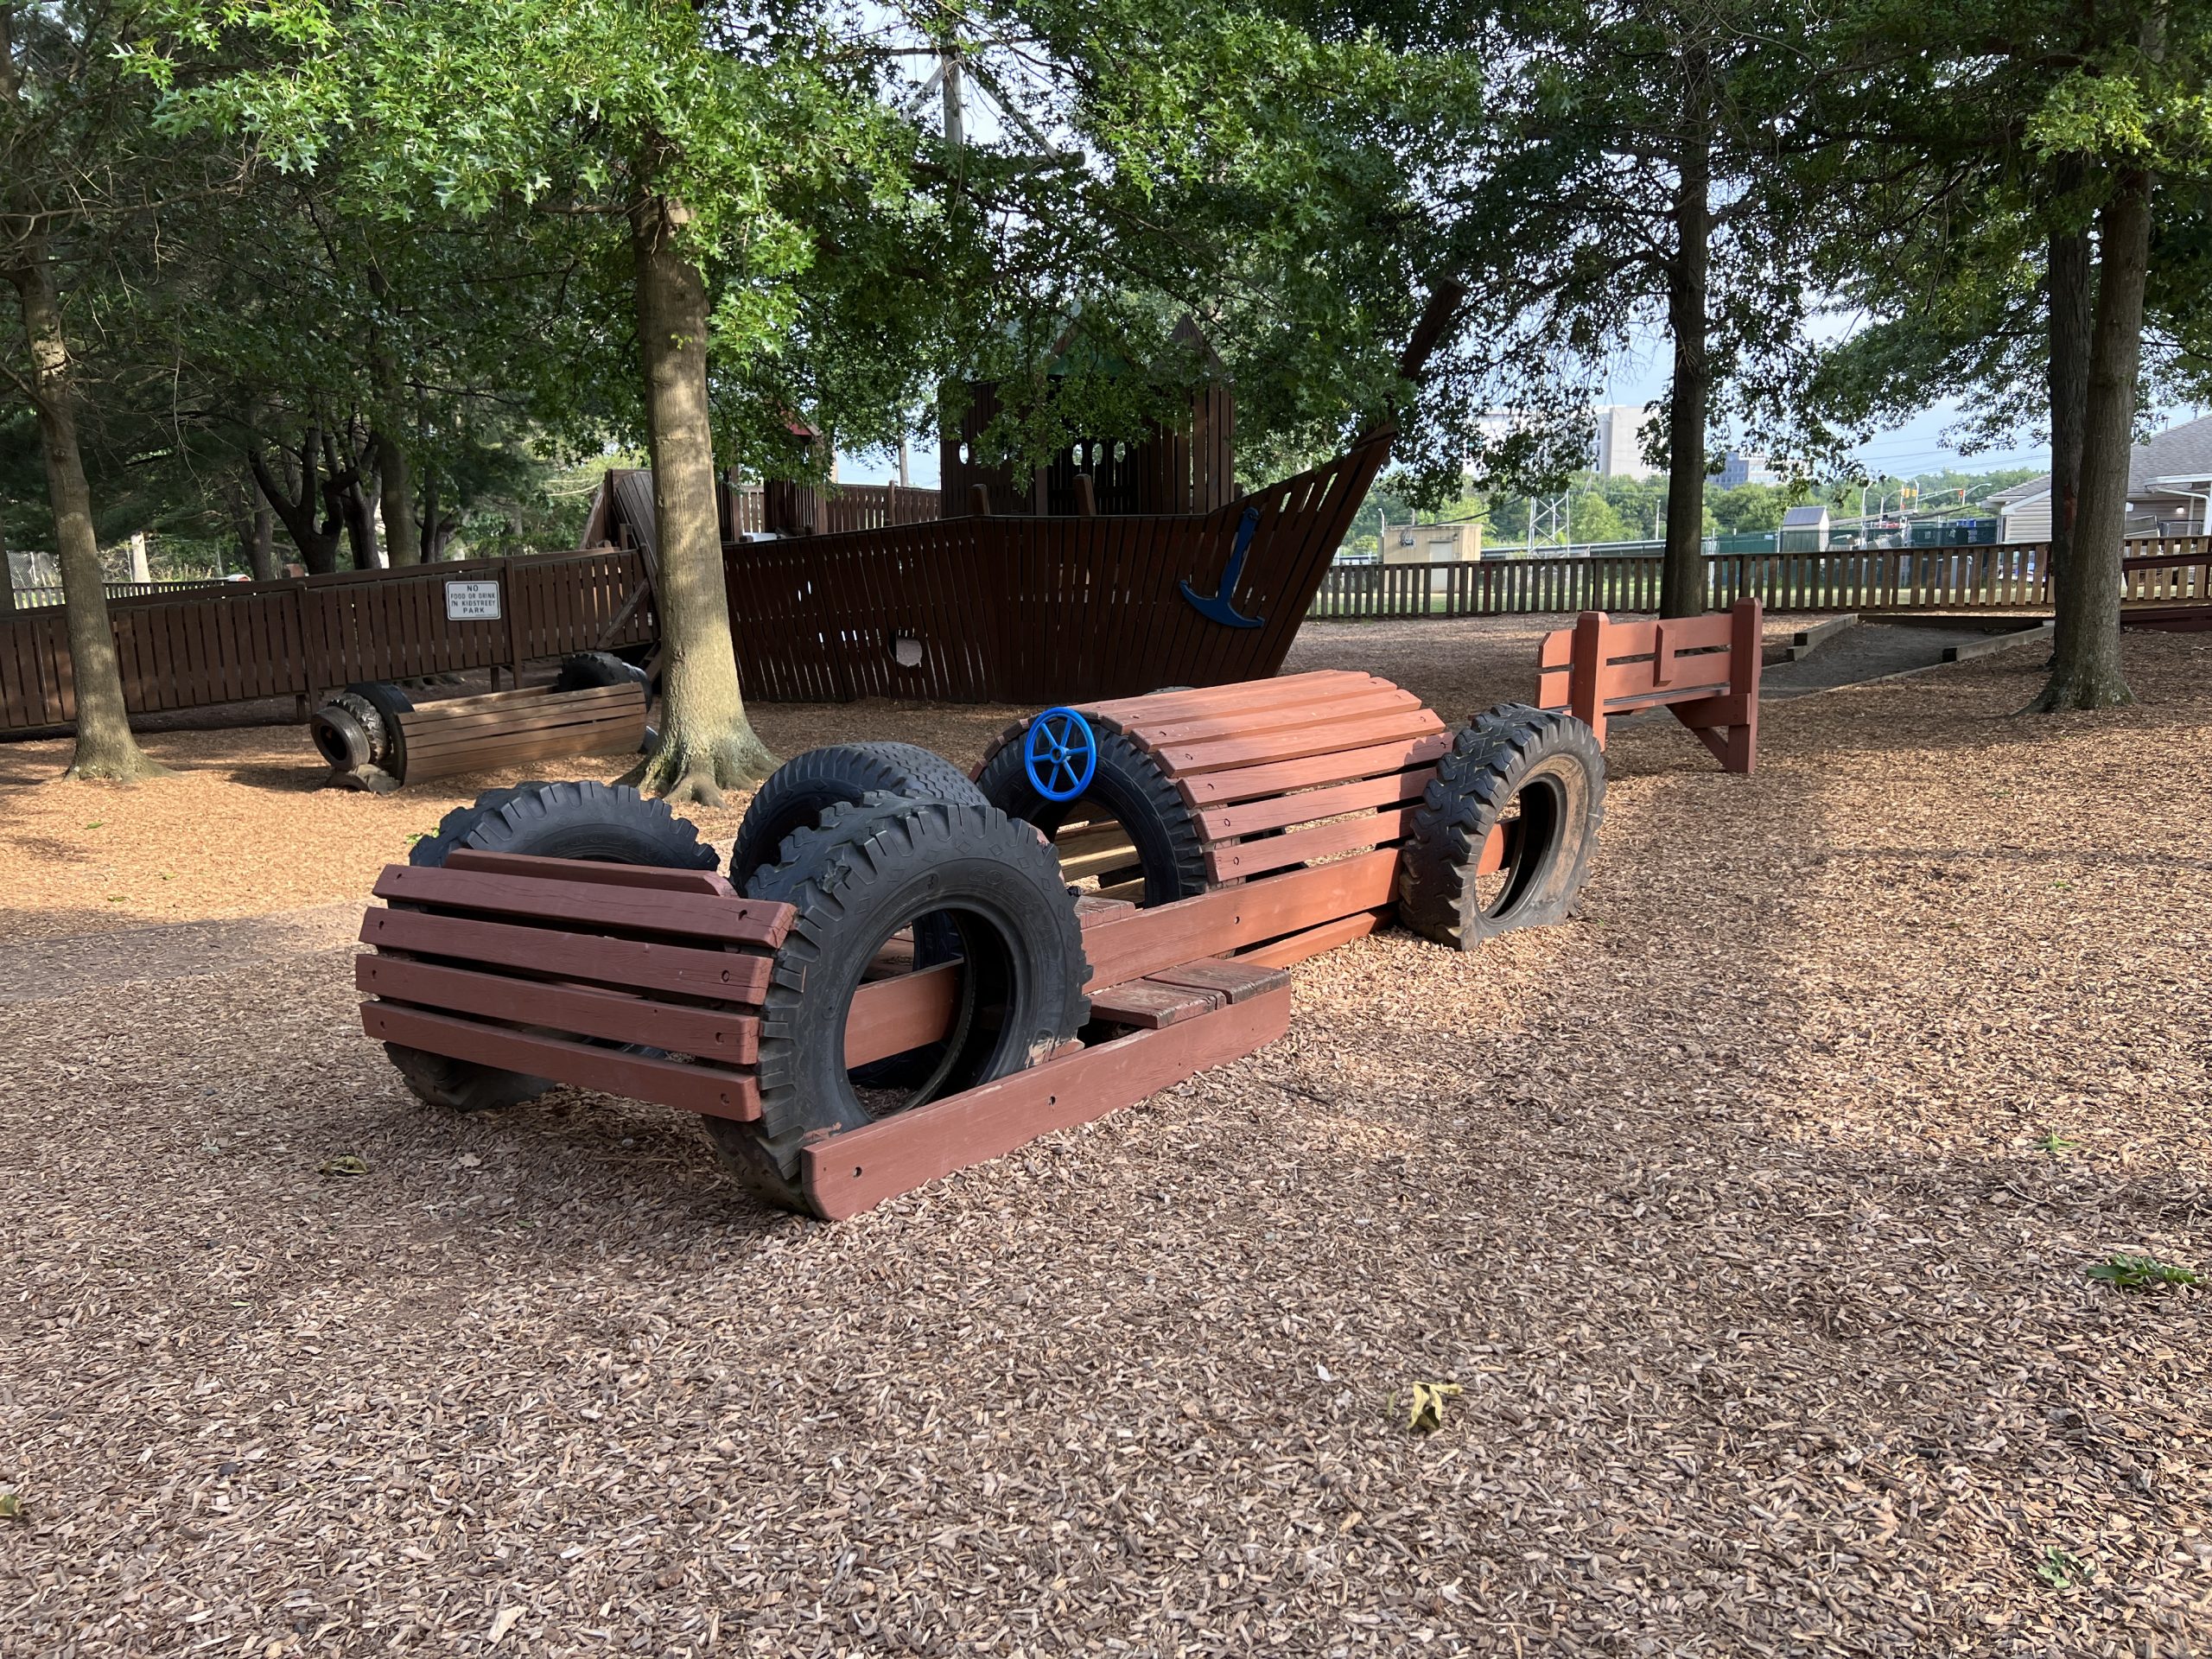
(1060, 754)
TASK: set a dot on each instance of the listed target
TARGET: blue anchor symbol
(1219, 607)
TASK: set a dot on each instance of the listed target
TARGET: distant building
(1742, 466)
(1620, 442)
(1433, 544)
(1805, 530)
(2169, 478)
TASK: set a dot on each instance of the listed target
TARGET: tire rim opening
(1532, 826)
(961, 967)
(1097, 855)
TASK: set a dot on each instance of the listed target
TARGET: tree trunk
(2085, 666)
(1683, 585)
(105, 747)
(346, 504)
(2072, 292)
(706, 742)
(261, 552)
(7, 574)
(318, 547)
(401, 544)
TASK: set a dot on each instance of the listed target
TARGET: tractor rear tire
(868, 870)
(1132, 786)
(610, 822)
(602, 822)
(1548, 762)
(807, 785)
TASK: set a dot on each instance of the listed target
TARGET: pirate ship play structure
(1110, 570)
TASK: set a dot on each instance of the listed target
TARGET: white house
(2168, 482)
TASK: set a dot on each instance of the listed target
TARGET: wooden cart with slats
(650, 983)
(464, 734)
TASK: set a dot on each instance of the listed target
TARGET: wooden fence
(234, 641)
(31, 599)
(2013, 576)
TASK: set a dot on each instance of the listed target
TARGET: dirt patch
(1749, 1213)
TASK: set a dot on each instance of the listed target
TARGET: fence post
(514, 619)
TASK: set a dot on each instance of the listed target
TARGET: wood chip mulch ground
(1749, 1214)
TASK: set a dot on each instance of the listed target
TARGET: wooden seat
(506, 728)
(1704, 669)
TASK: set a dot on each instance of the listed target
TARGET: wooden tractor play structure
(907, 970)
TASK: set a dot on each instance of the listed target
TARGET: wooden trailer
(1308, 793)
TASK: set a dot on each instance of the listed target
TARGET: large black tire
(461, 1085)
(1547, 763)
(588, 668)
(866, 872)
(364, 717)
(608, 822)
(350, 732)
(807, 786)
(1129, 784)
(554, 820)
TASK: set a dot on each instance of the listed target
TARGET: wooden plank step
(707, 1090)
(1149, 1005)
(844, 1174)
(734, 921)
(1235, 982)
(724, 1037)
(738, 976)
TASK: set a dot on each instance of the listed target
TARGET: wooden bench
(1704, 669)
(460, 735)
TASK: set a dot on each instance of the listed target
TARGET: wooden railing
(233, 642)
(2005, 576)
(844, 506)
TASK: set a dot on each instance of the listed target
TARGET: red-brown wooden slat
(1305, 806)
(1298, 947)
(1236, 859)
(725, 976)
(1250, 783)
(1215, 923)
(852, 1172)
(890, 1016)
(707, 1090)
(1192, 760)
(1314, 712)
(727, 1038)
(710, 882)
(1234, 980)
(735, 921)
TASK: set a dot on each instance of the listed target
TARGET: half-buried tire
(610, 822)
(1128, 785)
(586, 668)
(867, 873)
(602, 822)
(807, 786)
(1537, 775)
